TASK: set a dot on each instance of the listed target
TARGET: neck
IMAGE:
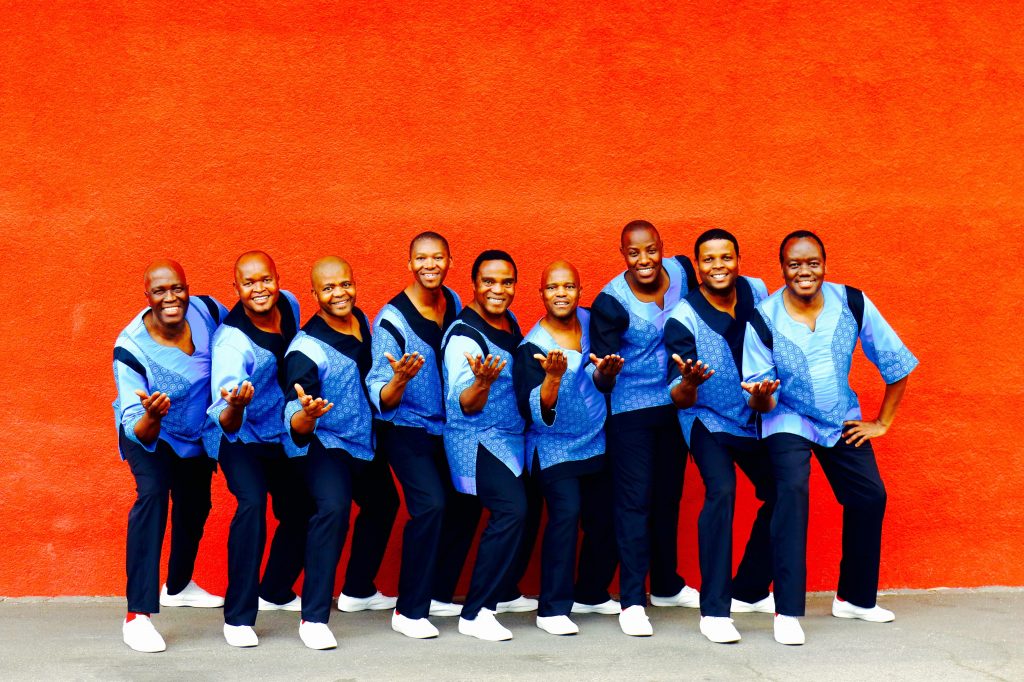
(420, 294)
(268, 321)
(651, 288)
(566, 324)
(801, 303)
(169, 332)
(343, 325)
(723, 300)
(496, 321)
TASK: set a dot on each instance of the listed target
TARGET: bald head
(560, 270)
(329, 267)
(637, 226)
(334, 289)
(560, 291)
(163, 266)
(256, 284)
(250, 259)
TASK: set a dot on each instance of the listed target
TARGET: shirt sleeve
(883, 347)
(527, 376)
(229, 367)
(128, 379)
(381, 373)
(299, 369)
(678, 340)
(608, 322)
(758, 361)
(459, 376)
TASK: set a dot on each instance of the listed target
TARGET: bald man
(162, 372)
(247, 437)
(565, 445)
(330, 429)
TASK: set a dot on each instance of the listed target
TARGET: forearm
(302, 423)
(549, 392)
(473, 399)
(231, 418)
(147, 429)
(684, 395)
(891, 401)
(604, 383)
(391, 393)
(762, 404)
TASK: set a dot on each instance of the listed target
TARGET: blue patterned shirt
(574, 430)
(399, 329)
(243, 352)
(697, 330)
(499, 426)
(142, 363)
(815, 398)
(621, 323)
(333, 366)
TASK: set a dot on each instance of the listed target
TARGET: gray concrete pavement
(938, 635)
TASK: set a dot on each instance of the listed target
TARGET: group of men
(591, 414)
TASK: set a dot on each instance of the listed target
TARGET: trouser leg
(791, 465)
(190, 507)
(461, 517)
(599, 555)
(754, 576)
(531, 529)
(669, 466)
(147, 522)
(853, 474)
(558, 555)
(714, 525)
(630, 452)
(245, 473)
(411, 452)
(292, 508)
(503, 495)
(373, 489)
(329, 481)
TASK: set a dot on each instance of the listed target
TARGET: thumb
(142, 394)
(390, 357)
(299, 391)
(223, 392)
(594, 359)
(538, 356)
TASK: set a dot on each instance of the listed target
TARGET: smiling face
(167, 292)
(803, 267)
(334, 287)
(494, 287)
(429, 261)
(718, 265)
(256, 283)
(641, 249)
(560, 290)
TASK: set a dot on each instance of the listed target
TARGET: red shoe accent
(132, 614)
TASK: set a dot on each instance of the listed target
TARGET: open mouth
(645, 271)
(720, 277)
(261, 298)
(172, 309)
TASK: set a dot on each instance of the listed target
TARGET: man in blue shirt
(645, 446)
(704, 337)
(797, 354)
(162, 372)
(483, 435)
(565, 444)
(246, 435)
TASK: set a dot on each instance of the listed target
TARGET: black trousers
(852, 472)
(335, 479)
(717, 455)
(574, 502)
(160, 476)
(502, 493)
(510, 589)
(252, 471)
(648, 462)
(432, 536)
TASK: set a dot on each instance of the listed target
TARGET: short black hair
(493, 254)
(422, 236)
(635, 225)
(712, 234)
(799, 234)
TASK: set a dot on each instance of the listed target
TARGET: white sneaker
(417, 628)
(375, 602)
(520, 604)
(294, 605)
(557, 625)
(317, 635)
(608, 608)
(240, 635)
(788, 630)
(688, 597)
(719, 629)
(192, 595)
(485, 626)
(139, 634)
(876, 614)
(445, 608)
(766, 605)
(634, 622)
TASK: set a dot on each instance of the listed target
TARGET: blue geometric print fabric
(815, 397)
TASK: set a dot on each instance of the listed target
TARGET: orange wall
(135, 131)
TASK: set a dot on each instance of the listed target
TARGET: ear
(408, 265)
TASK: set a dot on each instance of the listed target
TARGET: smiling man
(645, 446)
(704, 338)
(565, 444)
(330, 432)
(246, 435)
(162, 371)
(797, 353)
(483, 435)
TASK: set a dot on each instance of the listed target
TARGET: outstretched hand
(156, 403)
(693, 373)
(609, 366)
(407, 367)
(239, 396)
(313, 407)
(554, 363)
(761, 390)
(486, 370)
(859, 431)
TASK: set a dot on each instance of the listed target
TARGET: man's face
(718, 265)
(642, 251)
(256, 284)
(335, 289)
(429, 263)
(167, 294)
(803, 267)
(561, 292)
(495, 287)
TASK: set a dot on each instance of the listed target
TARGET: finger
(142, 394)
(538, 356)
(299, 391)
(327, 408)
(223, 392)
(390, 357)
(710, 373)
(501, 367)
(594, 359)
